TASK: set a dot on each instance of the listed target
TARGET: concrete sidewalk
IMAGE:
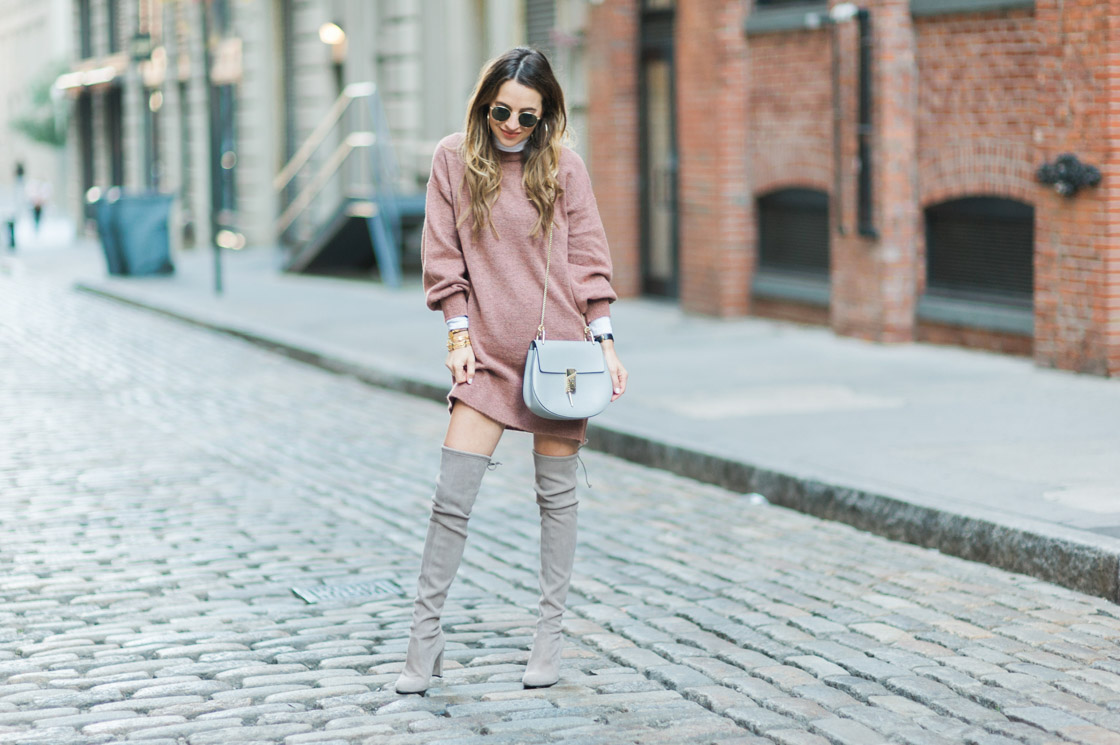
(975, 454)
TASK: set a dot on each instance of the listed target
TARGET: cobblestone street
(164, 488)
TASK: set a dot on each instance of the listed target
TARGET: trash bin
(134, 233)
(105, 211)
(142, 224)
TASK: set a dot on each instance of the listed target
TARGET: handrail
(319, 134)
(353, 141)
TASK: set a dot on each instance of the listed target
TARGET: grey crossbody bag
(565, 379)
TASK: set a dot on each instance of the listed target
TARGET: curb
(1060, 556)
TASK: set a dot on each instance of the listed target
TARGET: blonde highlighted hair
(483, 174)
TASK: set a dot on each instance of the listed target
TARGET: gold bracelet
(453, 347)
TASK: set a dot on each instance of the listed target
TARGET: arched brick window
(980, 263)
(981, 248)
(793, 252)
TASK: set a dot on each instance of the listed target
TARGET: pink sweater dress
(498, 282)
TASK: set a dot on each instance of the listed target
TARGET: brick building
(874, 167)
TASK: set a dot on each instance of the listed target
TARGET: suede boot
(556, 497)
(460, 476)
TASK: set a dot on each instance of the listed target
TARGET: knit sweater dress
(498, 282)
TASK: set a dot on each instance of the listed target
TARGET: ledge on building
(921, 8)
(790, 297)
(976, 314)
(796, 17)
(773, 285)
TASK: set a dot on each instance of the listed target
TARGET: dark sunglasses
(502, 113)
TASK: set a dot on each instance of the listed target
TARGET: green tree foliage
(44, 119)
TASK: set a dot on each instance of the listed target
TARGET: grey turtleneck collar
(515, 149)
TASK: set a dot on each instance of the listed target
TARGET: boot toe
(410, 685)
(540, 679)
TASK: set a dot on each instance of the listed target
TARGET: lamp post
(140, 48)
(215, 182)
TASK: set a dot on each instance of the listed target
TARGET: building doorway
(659, 254)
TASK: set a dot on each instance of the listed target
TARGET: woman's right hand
(461, 364)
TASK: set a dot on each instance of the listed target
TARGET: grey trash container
(105, 210)
(142, 227)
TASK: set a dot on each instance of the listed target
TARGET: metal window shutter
(981, 248)
(793, 232)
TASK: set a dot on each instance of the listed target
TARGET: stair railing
(318, 179)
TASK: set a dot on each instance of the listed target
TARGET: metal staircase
(338, 193)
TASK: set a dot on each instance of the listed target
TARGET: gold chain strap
(544, 301)
(547, 271)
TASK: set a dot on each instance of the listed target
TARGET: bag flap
(558, 356)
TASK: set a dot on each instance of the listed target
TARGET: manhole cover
(374, 588)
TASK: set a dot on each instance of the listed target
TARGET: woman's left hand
(619, 375)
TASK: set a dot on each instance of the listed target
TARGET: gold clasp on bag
(570, 384)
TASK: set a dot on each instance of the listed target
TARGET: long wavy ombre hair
(483, 174)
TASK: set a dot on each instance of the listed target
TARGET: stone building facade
(34, 41)
(153, 81)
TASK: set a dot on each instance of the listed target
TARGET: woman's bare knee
(472, 431)
(555, 446)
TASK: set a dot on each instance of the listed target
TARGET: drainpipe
(837, 15)
(866, 221)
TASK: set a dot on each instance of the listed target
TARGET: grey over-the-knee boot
(460, 476)
(556, 497)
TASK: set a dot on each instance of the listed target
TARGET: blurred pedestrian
(503, 196)
(39, 193)
(11, 205)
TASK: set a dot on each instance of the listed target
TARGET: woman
(498, 194)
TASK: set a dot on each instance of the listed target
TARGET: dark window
(114, 122)
(540, 18)
(793, 233)
(981, 248)
(85, 28)
(185, 153)
(223, 18)
(85, 145)
(114, 22)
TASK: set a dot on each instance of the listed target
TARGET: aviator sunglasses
(525, 119)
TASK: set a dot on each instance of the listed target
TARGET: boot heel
(437, 669)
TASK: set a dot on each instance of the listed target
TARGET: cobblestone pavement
(163, 489)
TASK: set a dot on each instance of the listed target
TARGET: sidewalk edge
(1075, 564)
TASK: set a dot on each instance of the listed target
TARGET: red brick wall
(875, 279)
(716, 222)
(1076, 239)
(790, 111)
(977, 110)
(977, 103)
(1110, 188)
(965, 104)
(612, 49)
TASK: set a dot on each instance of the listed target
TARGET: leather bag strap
(544, 301)
(547, 271)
